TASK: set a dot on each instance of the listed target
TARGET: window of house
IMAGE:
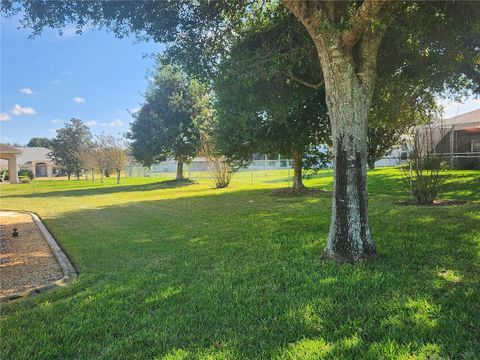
(475, 145)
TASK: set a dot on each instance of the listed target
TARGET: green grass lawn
(186, 272)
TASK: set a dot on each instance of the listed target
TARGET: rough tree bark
(297, 170)
(179, 169)
(349, 104)
(118, 176)
(348, 61)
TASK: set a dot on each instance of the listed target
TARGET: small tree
(166, 126)
(87, 158)
(101, 156)
(70, 141)
(117, 156)
(422, 171)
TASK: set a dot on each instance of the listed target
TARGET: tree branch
(305, 83)
(369, 11)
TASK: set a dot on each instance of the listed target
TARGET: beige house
(34, 159)
(460, 135)
(8, 155)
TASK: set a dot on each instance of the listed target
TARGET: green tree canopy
(70, 141)
(40, 142)
(166, 126)
(262, 103)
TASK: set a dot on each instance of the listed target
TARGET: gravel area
(26, 261)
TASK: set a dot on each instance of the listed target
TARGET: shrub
(422, 171)
(6, 174)
(26, 173)
(221, 172)
(219, 168)
(25, 179)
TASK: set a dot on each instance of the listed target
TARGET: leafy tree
(166, 127)
(270, 108)
(69, 142)
(350, 39)
(101, 155)
(115, 151)
(87, 157)
(40, 142)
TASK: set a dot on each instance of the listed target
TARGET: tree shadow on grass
(109, 189)
(238, 275)
(321, 175)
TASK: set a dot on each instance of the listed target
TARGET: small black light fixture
(15, 232)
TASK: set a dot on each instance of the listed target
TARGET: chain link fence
(258, 171)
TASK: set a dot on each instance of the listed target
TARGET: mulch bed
(435, 202)
(287, 192)
(26, 261)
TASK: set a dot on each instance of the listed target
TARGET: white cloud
(27, 91)
(18, 110)
(114, 123)
(134, 110)
(56, 121)
(79, 100)
(4, 117)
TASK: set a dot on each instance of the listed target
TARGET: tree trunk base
(369, 252)
(298, 186)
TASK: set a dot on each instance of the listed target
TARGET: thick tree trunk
(297, 170)
(348, 58)
(118, 176)
(101, 175)
(68, 176)
(348, 101)
(179, 169)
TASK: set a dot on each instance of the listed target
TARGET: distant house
(454, 138)
(460, 136)
(34, 159)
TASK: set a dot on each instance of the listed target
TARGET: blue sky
(94, 77)
(50, 79)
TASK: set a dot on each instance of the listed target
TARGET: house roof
(463, 120)
(9, 149)
(30, 154)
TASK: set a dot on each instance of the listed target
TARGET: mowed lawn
(188, 271)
